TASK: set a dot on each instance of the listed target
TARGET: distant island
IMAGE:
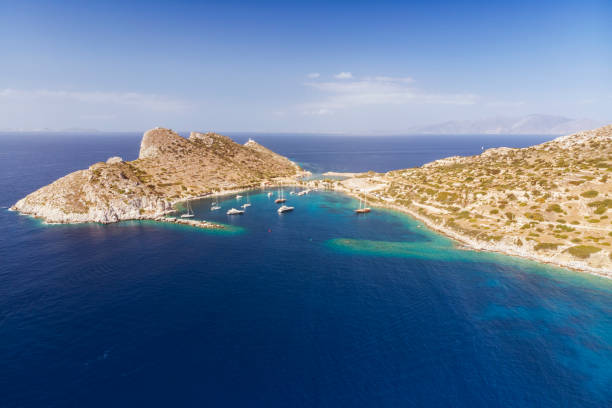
(169, 169)
(510, 125)
(549, 202)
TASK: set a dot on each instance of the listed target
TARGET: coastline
(465, 242)
(473, 245)
(163, 215)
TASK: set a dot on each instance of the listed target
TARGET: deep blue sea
(314, 308)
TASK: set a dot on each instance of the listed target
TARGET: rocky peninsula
(169, 169)
(549, 202)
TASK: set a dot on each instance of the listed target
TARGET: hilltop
(549, 202)
(169, 169)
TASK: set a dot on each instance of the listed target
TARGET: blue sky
(298, 66)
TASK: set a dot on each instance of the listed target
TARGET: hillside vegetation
(551, 201)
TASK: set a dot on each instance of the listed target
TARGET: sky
(300, 66)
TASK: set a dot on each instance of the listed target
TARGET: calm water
(318, 307)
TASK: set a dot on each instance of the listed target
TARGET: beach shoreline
(465, 243)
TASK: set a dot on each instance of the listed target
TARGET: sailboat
(281, 198)
(189, 213)
(214, 206)
(270, 194)
(363, 208)
(234, 211)
(248, 203)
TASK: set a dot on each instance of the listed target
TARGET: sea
(314, 308)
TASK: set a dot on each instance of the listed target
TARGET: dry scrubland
(549, 202)
(169, 169)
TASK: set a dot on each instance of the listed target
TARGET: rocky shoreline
(474, 245)
(169, 169)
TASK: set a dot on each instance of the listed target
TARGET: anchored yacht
(281, 198)
(363, 208)
(189, 213)
(284, 209)
(234, 211)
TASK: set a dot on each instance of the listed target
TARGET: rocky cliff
(169, 168)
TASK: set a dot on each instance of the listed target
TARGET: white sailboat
(270, 194)
(214, 206)
(363, 208)
(189, 213)
(234, 211)
(248, 203)
(281, 198)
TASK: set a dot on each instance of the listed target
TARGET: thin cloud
(389, 79)
(343, 75)
(318, 112)
(379, 90)
(313, 75)
(151, 102)
(505, 104)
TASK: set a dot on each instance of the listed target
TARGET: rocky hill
(169, 168)
(549, 202)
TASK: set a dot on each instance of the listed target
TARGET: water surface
(318, 307)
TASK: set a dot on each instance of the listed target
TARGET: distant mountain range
(522, 125)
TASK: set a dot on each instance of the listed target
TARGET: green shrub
(545, 246)
(534, 216)
(583, 251)
(554, 207)
(601, 210)
(589, 194)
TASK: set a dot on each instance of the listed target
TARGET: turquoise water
(317, 307)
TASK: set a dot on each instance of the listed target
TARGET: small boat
(281, 198)
(189, 213)
(363, 208)
(270, 194)
(234, 211)
(248, 203)
(284, 209)
(238, 196)
(215, 207)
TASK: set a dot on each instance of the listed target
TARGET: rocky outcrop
(169, 169)
(114, 160)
